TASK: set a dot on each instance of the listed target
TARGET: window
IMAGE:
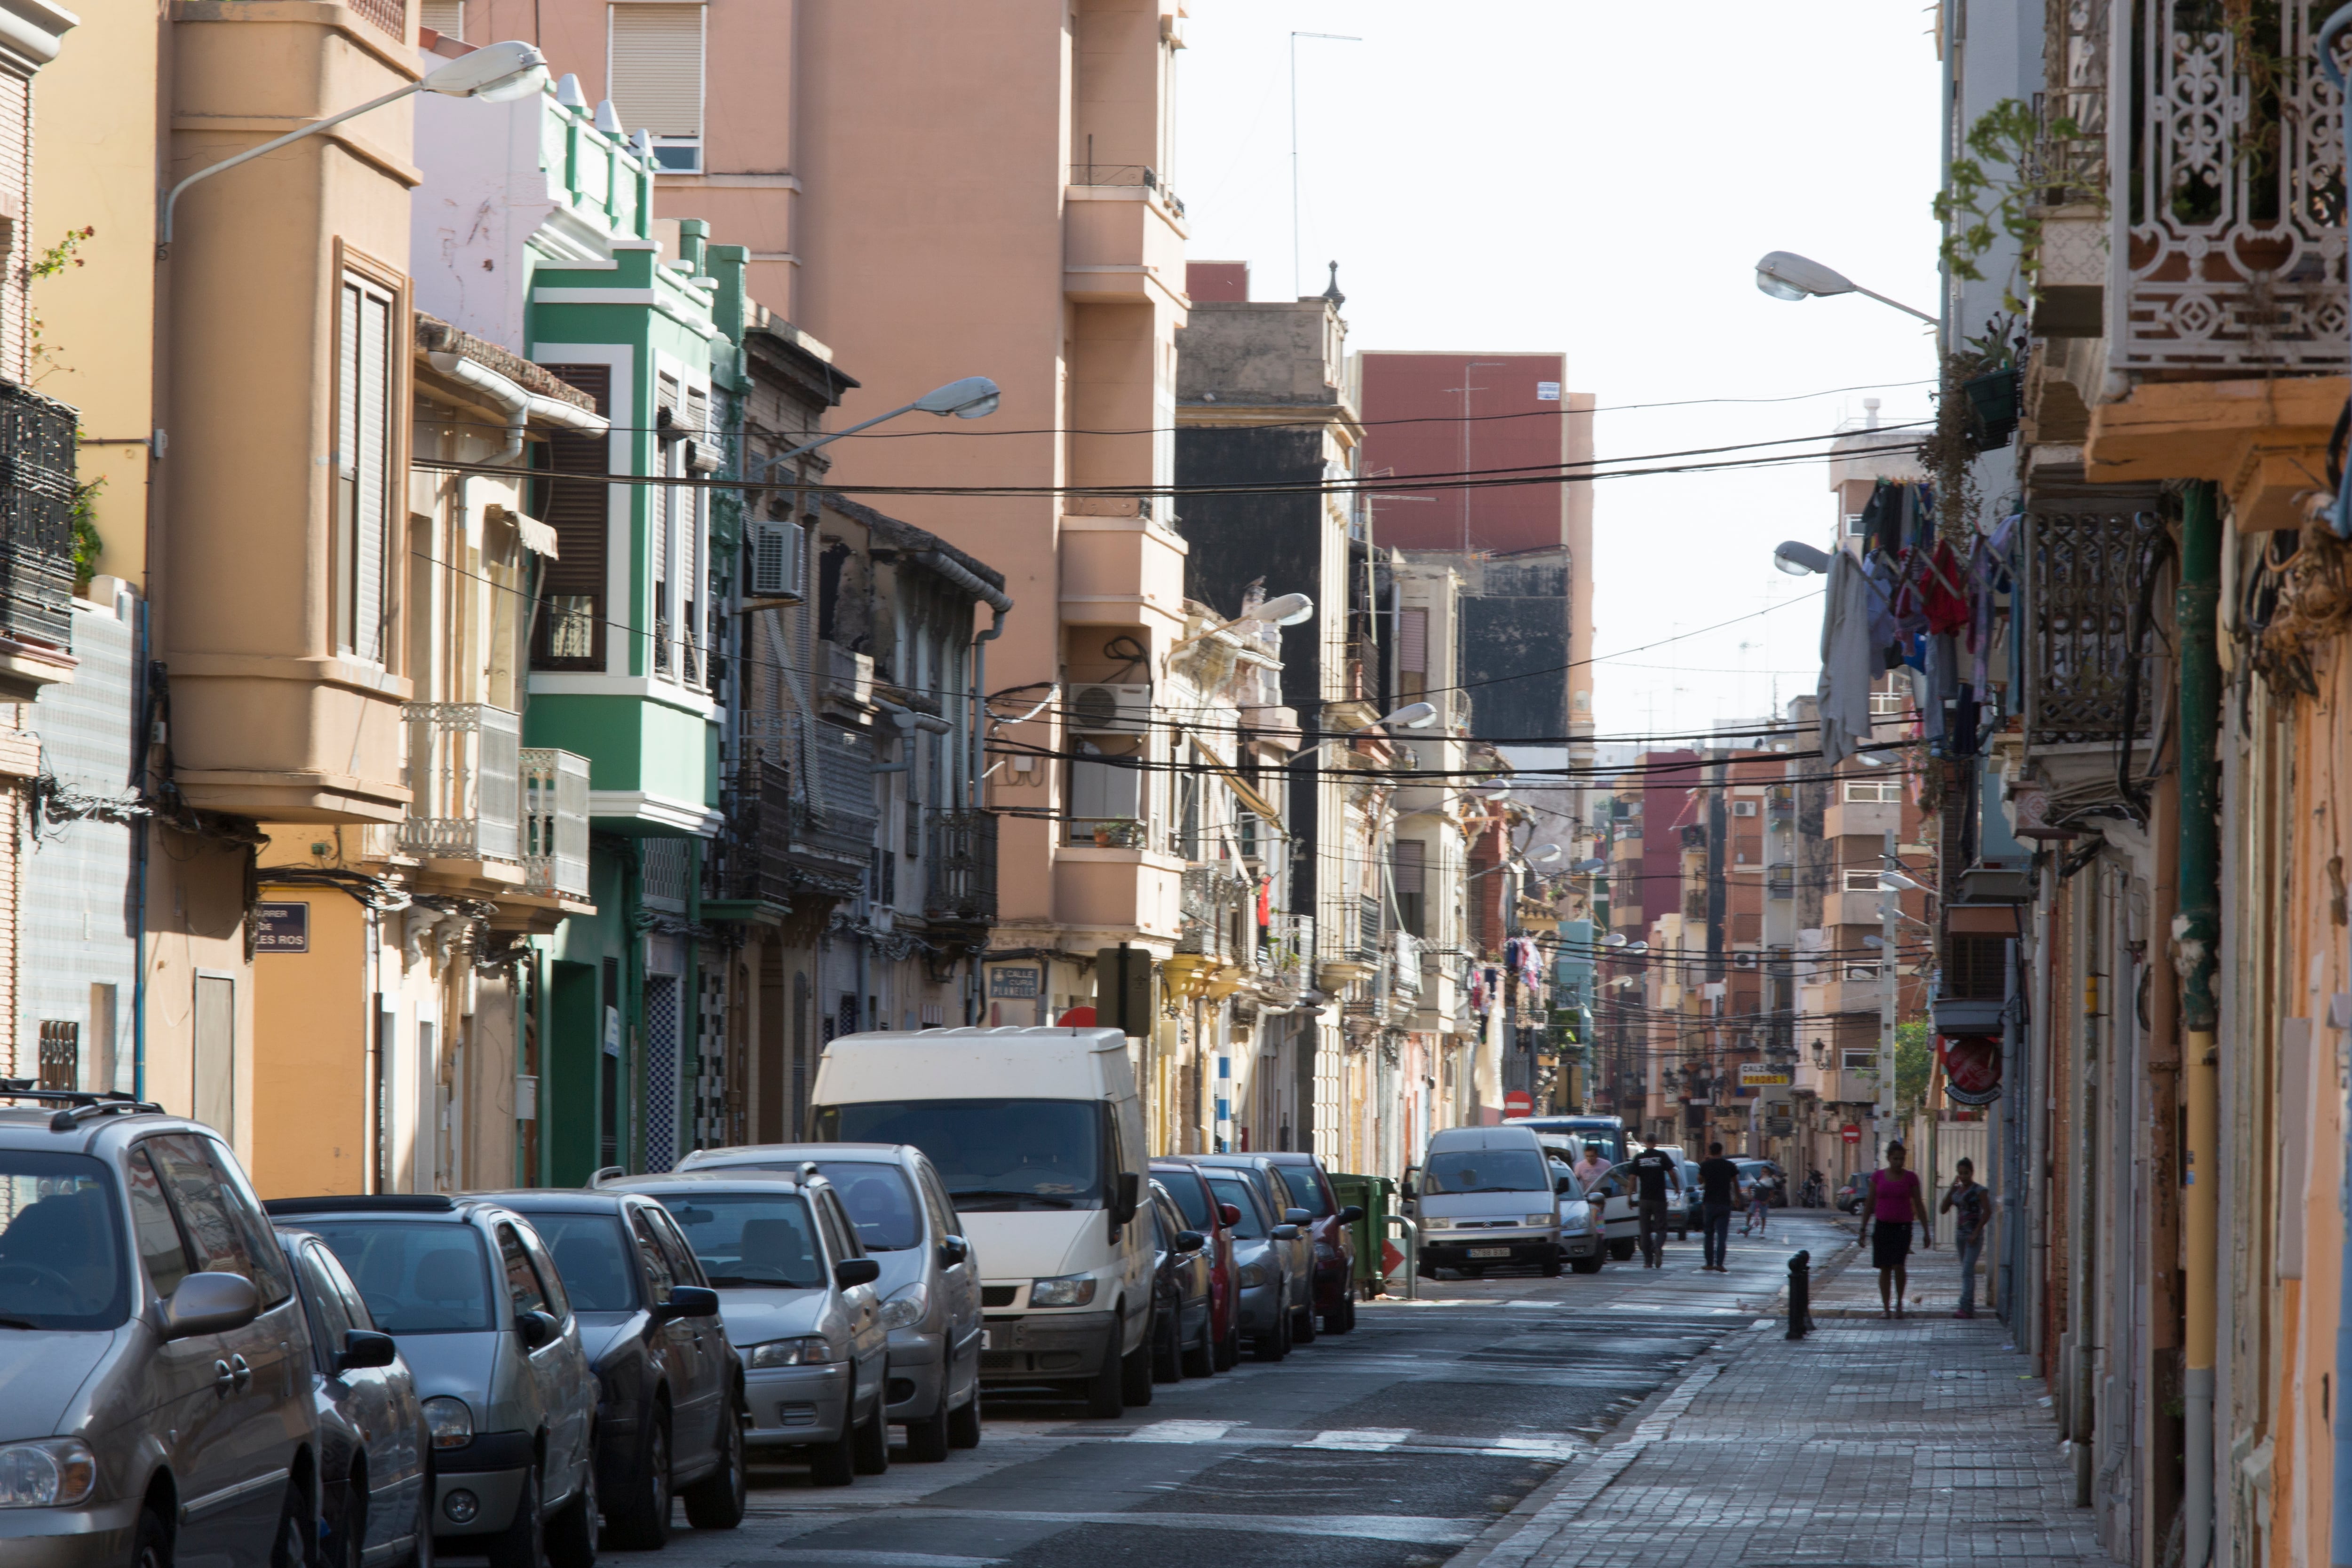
(1854, 526)
(1887, 704)
(161, 1251)
(569, 635)
(1860, 1060)
(879, 1201)
(650, 1250)
(447, 17)
(593, 1257)
(1861, 971)
(1409, 867)
(364, 368)
(330, 1321)
(219, 1218)
(1874, 791)
(416, 1276)
(682, 1266)
(1865, 881)
(657, 79)
(750, 1239)
(559, 1305)
(1412, 652)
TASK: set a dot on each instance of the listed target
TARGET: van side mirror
(536, 1330)
(364, 1348)
(1351, 1214)
(1130, 1196)
(210, 1303)
(953, 1249)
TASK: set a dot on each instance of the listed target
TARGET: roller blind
(656, 67)
(447, 17)
(363, 442)
(1412, 641)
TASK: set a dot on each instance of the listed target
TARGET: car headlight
(906, 1309)
(1253, 1275)
(1577, 1221)
(810, 1350)
(1436, 1223)
(451, 1424)
(57, 1473)
(1069, 1290)
(1539, 1218)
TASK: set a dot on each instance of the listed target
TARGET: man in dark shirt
(1653, 1170)
(1719, 1191)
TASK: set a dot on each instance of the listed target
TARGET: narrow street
(1393, 1447)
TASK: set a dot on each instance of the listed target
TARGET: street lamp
(494, 73)
(1895, 881)
(1784, 274)
(1586, 868)
(972, 397)
(1799, 559)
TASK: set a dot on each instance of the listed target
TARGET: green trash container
(1374, 1195)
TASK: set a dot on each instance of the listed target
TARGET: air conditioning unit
(1743, 808)
(1106, 709)
(775, 566)
(1743, 960)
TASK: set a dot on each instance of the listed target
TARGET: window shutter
(1412, 641)
(656, 67)
(1409, 862)
(347, 455)
(571, 632)
(447, 17)
(374, 458)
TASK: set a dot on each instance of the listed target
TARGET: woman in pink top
(1894, 1200)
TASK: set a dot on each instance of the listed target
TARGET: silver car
(468, 1290)
(1294, 1232)
(155, 1395)
(1271, 1283)
(929, 1284)
(796, 1292)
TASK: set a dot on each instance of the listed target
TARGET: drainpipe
(996, 599)
(522, 404)
(2195, 935)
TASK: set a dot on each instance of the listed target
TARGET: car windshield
(750, 1240)
(1455, 1171)
(61, 1258)
(416, 1276)
(1186, 1189)
(1305, 1190)
(1239, 1192)
(592, 1256)
(993, 1155)
(881, 1203)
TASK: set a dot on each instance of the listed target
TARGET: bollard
(1800, 1295)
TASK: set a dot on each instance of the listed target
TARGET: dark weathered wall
(1238, 539)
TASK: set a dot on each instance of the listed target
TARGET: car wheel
(1135, 1367)
(963, 1423)
(1588, 1265)
(927, 1440)
(716, 1501)
(1200, 1360)
(151, 1544)
(834, 1464)
(1349, 1324)
(572, 1534)
(1229, 1352)
(343, 1532)
(1302, 1324)
(1426, 1271)
(640, 1520)
(1106, 1390)
(1621, 1251)
(1551, 1269)
(289, 1543)
(873, 1450)
(1167, 1355)
(523, 1542)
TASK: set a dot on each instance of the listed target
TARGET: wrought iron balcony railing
(1286, 948)
(961, 859)
(554, 822)
(465, 782)
(2086, 552)
(749, 862)
(37, 498)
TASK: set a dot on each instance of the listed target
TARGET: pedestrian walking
(1759, 1206)
(1654, 1171)
(1894, 1199)
(1971, 1206)
(1718, 1189)
(1591, 1167)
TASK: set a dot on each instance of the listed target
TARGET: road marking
(1182, 1431)
(1407, 1528)
(1536, 1448)
(1362, 1439)
(1636, 1307)
(881, 1559)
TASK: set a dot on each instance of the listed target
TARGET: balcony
(746, 869)
(1213, 909)
(961, 857)
(554, 823)
(1405, 960)
(1872, 819)
(1123, 237)
(36, 572)
(465, 778)
(1781, 881)
(1286, 952)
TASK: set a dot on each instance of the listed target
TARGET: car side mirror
(364, 1348)
(1230, 1213)
(1190, 1241)
(536, 1330)
(953, 1249)
(852, 1272)
(210, 1303)
(1297, 1217)
(688, 1302)
(1284, 1233)
(1351, 1214)
(1408, 1190)
(1130, 1196)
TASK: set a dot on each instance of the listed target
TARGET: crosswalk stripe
(1182, 1431)
(1362, 1439)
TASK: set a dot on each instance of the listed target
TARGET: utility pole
(1889, 921)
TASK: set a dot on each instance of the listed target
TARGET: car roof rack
(380, 1202)
(78, 1105)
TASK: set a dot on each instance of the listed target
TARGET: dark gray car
(155, 1379)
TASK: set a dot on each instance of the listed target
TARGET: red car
(1215, 1220)
(1335, 1237)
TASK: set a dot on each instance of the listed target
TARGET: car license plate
(983, 1339)
(1489, 1252)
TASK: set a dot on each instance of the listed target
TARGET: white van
(1038, 1135)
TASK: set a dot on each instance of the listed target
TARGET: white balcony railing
(554, 823)
(1404, 958)
(463, 777)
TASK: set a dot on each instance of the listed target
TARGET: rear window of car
(747, 1240)
(1191, 1195)
(592, 1256)
(417, 1277)
(878, 1202)
(1305, 1190)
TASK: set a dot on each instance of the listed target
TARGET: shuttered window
(571, 631)
(447, 17)
(364, 400)
(657, 77)
(1409, 873)
(1412, 641)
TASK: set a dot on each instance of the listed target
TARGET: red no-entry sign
(1518, 1103)
(1850, 1133)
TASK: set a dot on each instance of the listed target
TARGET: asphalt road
(1393, 1447)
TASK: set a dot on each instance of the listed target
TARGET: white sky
(1600, 180)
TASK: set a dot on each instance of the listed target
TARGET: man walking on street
(1889, 1203)
(1972, 1205)
(1718, 1187)
(1591, 1167)
(1653, 1169)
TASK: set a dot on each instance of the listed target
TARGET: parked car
(482, 1319)
(1189, 1186)
(1582, 1243)
(1182, 1344)
(798, 1295)
(929, 1284)
(1332, 1229)
(149, 1408)
(1851, 1192)
(1264, 1251)
(669, 1400)
(1485, 1199)
(1300, 1266)
(1039, 1134)
(373, 1451)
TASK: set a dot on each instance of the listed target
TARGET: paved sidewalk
(1871, 1444)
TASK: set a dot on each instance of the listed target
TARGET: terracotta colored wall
(1412, 415)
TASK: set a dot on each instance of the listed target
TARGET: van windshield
(993, 1155)
(1455, 1171)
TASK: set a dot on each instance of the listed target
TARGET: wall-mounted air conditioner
(1107, 709)
(1743, 808)
(775, 563)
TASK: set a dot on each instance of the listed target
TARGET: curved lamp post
(1785, 275)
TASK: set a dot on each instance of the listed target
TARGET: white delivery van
(1038, 1135)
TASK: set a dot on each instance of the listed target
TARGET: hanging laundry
(1849, 658)
(1943, 591)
